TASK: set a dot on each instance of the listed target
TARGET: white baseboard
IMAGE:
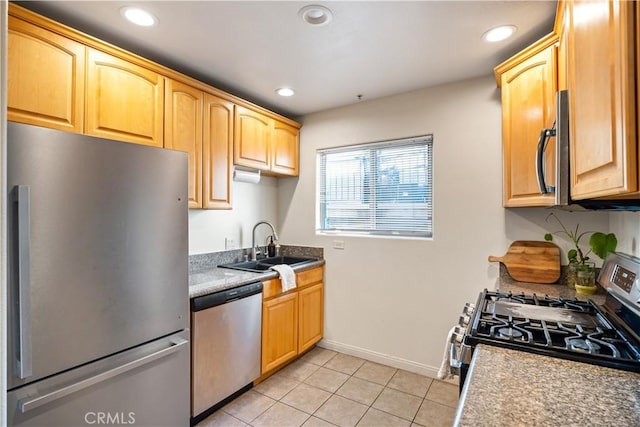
(381, 358)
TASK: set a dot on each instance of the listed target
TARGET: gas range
(583, 331)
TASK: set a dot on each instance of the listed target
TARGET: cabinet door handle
(545, 134)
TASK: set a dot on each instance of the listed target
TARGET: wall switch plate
(338, 244)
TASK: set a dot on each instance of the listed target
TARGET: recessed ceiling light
(138, 16)
(285, 91)
(316, 15)
(499, 33)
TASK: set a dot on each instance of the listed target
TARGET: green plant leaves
(601, 244)
(572, 254)
(548, 237)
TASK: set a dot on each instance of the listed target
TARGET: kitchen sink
(289, 260)
(266, 263)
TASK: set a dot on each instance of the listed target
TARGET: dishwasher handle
(228, 295)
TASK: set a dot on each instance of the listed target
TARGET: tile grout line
(350, 376)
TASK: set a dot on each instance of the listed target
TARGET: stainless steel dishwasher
(226, 329)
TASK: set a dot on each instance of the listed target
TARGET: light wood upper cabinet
(528, 82)
(124, 101)
(561, 29)
(201, 124)
(251, 143)
(46, 74)
(601, 81)
(61, 78)
(183, 131)
(285, 143)
(217, 147)
(264, 143)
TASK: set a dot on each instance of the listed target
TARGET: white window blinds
(382, 188)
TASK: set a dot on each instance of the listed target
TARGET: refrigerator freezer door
(145, 386)
(107, 250)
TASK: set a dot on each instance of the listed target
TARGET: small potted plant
(581, 274)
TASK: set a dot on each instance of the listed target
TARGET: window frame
(375, 148)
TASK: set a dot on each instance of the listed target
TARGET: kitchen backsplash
(204, 261)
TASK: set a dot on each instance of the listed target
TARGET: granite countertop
(209, 279)
(510, 387)
(505, 283)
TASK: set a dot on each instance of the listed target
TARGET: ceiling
(370, 48)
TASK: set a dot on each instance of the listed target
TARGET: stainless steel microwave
(562, 185)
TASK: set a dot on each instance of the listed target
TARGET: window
(382, 188)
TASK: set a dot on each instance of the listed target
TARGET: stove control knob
(468, 309)
(457, 335)
(464, 320)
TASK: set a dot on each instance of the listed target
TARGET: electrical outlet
(229, 243)
(338, 244)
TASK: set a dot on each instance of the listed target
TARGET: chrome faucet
(254, 253)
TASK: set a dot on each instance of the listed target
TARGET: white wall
(251, 203)
(626, 225)
(394, 300)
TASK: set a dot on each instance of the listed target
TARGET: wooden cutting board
(531, 261)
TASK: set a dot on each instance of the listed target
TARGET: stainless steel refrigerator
(98, 285)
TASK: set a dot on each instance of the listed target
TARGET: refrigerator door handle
(29, 404)
(22, 198)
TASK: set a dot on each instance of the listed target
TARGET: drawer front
(309, 277)
(273, 287)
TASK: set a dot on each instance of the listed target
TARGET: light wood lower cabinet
(124, 101)
(291, 322)
(46, 73)
(279, 330)
(310, 316)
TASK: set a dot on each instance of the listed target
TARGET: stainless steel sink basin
(266, 263)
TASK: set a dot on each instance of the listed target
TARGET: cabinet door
(528, 106)
(216, 152)
(124, 101)
(45, 84)
(183, 131)
(279, 330)
(562, 24)
(251, 143)
(602, 98)
(284, 149)
(310, 315)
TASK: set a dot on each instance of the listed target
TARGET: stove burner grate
(583, 345)
(509, 332)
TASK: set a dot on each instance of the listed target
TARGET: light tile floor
(325, 388)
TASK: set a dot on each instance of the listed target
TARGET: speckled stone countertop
(205, 277)
(514, 388)
(506, 284)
